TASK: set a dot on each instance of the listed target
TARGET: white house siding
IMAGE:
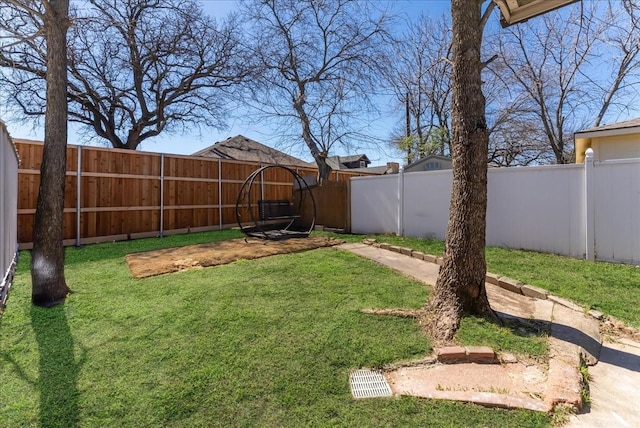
(616, 147)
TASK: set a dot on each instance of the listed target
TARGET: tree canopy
(142, 68)
(136, 67)
(548, 78)
(419, 76)
(318, 70)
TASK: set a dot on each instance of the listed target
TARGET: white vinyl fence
(8, 213)
(590, 210)
(616, 212)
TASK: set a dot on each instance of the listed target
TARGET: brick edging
(505, 283)
(466, 354)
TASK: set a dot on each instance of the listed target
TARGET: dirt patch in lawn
(170, 260)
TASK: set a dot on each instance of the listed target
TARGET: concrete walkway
(615, 383)
(614, 388)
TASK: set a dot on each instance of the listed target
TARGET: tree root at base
(402, 313)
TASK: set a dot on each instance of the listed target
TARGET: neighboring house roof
(381, 170)
(621, 128)
(514, 11)
(615, 141)
(439, 163)
(242, 148)
(350, 158)
(349, 162)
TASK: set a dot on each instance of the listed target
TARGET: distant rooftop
(350, 162)
(242, 148)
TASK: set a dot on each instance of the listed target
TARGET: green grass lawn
(607, 287)
(268, 342)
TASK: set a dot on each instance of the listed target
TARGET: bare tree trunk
(323, 170)
(49, 287)
(320, 157)
(460, 286)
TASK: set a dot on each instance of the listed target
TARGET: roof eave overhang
(512, 13)
(607, 132)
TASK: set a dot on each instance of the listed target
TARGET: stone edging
(466, 354)
(515, 286)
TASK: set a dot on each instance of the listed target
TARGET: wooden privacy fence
(115, 194)
(333, 205)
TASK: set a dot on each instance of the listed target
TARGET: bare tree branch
(544, 62)
(487, 13)
(137, 68)
(319, 69)
(419, 75)
(623, 37)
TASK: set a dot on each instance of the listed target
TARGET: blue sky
(189, 143)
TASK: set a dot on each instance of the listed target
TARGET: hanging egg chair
(275, 218)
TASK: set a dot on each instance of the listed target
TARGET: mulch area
(158, 262)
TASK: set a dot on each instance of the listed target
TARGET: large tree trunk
(323, 169)
(47, 265)
(460, 286)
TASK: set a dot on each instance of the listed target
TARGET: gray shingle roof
(245, 149)
(338, 162)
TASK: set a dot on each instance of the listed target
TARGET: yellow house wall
(581, 145)
(607, 148)
(616, 147)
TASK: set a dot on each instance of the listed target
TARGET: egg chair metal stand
(274, 218)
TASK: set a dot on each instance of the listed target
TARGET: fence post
(589, 206)
(261, 182)
(220, 193)
(79, 196)
(400, 231)
(348, 206)
(161, 194)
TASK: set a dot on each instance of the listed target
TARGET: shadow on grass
(58, 368)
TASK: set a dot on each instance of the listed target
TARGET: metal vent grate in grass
(368, 384)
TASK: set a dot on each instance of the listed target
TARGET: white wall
(533, 208)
